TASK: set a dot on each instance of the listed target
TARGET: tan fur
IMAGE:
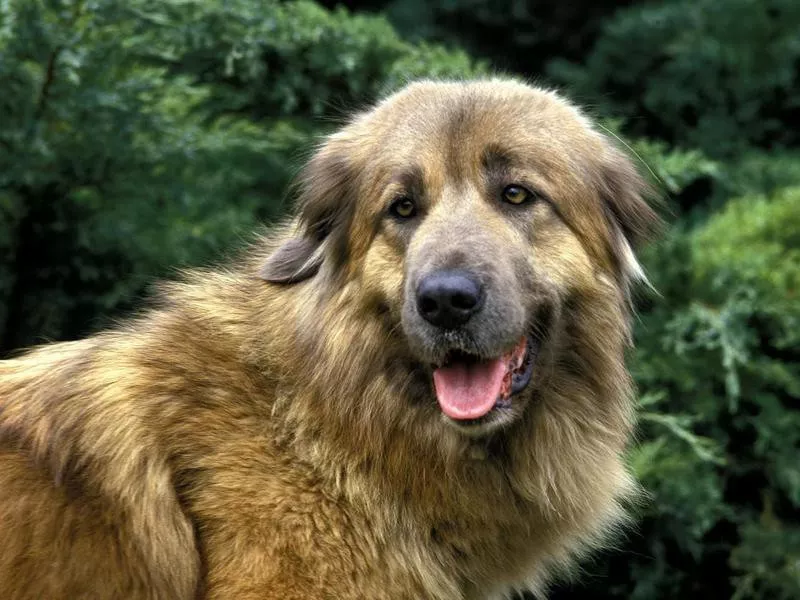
(252, 439)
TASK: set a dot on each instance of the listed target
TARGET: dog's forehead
(466, 109)
(444, 127)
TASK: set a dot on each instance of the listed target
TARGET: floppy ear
(325, 205)
(295, 260)
(630, 217)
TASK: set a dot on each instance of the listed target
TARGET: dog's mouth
(469, 387)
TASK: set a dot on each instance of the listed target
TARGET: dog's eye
(516, 194)
(403, 208)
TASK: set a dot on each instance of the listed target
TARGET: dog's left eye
(516, 194)
(403, 208)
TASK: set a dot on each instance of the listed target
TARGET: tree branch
(49, 78)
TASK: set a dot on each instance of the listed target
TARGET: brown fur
(280, 438)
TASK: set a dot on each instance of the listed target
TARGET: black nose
(448, 299)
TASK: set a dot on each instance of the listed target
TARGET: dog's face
(471, 215)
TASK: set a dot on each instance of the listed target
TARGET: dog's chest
(489, 553)
(484, 536)
(288, 527)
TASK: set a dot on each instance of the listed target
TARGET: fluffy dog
(414, 389)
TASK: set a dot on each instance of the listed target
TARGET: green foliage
(673, 169)
(517, 35)
(278, 60)
(720, 356)
(759, 172)
(714, 74)
(769, 560)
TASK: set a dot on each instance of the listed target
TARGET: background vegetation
(141, 135)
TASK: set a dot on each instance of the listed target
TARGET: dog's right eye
(403, 208)
(516, 194)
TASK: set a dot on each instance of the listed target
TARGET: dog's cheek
(382, 275)
(560, 257)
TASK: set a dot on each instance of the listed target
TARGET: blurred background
(137, 136)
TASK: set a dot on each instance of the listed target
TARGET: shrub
(719, 75)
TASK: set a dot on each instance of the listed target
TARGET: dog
(414, 388)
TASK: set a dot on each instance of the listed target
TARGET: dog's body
(272, 431)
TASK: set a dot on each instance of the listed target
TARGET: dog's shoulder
(84, 487)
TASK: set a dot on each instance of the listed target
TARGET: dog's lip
(520, 378)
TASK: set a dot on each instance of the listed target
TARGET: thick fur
(270, 430)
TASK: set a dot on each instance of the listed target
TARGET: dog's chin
(496, 421)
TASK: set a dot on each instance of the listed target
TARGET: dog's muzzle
(469, 384)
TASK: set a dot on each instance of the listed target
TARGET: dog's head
(472, 216)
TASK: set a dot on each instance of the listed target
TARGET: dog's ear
(296, 259)
(325, 205)
(631, 218)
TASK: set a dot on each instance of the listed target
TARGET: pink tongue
(469, 391)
